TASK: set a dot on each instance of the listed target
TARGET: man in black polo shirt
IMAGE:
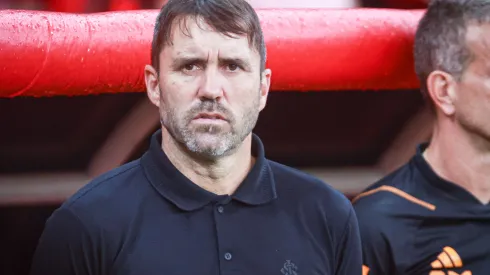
(204, 199)
(432, 215)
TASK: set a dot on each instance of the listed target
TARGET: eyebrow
(180, 61)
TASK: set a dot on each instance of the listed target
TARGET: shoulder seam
(344, 231)
(397, 192)
(69, 211)
(100, 182)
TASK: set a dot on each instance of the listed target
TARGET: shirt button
(228, 256)
(221, 209)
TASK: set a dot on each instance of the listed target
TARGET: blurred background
(105, 5)
(50, 147)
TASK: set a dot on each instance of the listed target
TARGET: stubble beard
(210, 141)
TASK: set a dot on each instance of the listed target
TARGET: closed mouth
(210, 116)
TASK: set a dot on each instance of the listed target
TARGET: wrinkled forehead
(194, 35)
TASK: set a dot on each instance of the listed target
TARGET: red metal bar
(72, 6)
(124, 5)
(45, 54)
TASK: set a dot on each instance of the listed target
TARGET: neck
(220, 176)
(461, 157)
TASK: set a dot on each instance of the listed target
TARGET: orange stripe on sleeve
(398, 192)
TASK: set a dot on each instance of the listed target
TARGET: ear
(264, 87)
(442, 87)
(152, 85)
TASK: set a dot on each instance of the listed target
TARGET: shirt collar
(257, 188)
(449, 189)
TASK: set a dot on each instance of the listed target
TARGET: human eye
(190, 67)
(232, 67)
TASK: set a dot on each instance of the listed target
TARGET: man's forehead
(194, 35)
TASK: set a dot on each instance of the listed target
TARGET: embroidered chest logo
(447, 259)
(290, 268)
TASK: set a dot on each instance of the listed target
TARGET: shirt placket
(226, 252)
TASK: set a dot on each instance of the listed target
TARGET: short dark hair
(440, 39)
(229, 17)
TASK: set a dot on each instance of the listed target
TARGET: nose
(211, 87)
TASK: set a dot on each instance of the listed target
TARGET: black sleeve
(349, 253)
(376, 252)
(65, 247)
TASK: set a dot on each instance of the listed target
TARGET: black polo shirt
(146, 218)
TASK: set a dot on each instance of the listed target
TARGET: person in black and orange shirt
(432, 215)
